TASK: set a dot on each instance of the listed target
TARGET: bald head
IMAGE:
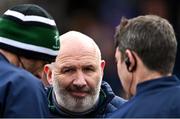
(75, 43)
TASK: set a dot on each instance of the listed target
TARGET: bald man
(76, 76)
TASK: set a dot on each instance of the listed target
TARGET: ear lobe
(48, 72)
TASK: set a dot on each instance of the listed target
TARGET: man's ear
(102, 66)
(131, 61)
(48, 71)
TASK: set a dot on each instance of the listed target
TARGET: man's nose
(79, 80)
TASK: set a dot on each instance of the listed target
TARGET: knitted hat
(28, 30)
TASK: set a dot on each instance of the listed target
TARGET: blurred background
(98, 19)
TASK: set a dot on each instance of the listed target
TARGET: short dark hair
(152, 38)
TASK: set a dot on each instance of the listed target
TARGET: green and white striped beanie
(28, 30)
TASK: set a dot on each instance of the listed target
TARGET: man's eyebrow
(90, 65)
(62, 67)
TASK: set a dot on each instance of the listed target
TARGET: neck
(76, 113)
(12, 58)
(144, 75)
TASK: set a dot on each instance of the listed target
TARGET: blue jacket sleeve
(22, 95)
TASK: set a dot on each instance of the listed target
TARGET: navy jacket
(108, 103)
(21, 94)
(154, 98)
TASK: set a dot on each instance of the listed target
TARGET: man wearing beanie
(28, 39)
(31, 33)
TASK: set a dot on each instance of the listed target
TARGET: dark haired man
(145, 52)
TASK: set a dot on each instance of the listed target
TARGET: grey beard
(73, 104)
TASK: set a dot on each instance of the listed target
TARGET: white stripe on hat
(28, 46)
(30, 17)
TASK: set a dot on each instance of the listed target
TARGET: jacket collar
(156, 84)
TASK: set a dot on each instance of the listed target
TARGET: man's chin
(77, 101)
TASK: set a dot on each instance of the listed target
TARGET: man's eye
(67, 70)
(89, 69)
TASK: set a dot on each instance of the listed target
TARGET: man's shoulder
(116, 102)
(114, 105)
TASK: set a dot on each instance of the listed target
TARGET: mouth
(79, 94)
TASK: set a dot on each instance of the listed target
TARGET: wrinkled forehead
(78, 52)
